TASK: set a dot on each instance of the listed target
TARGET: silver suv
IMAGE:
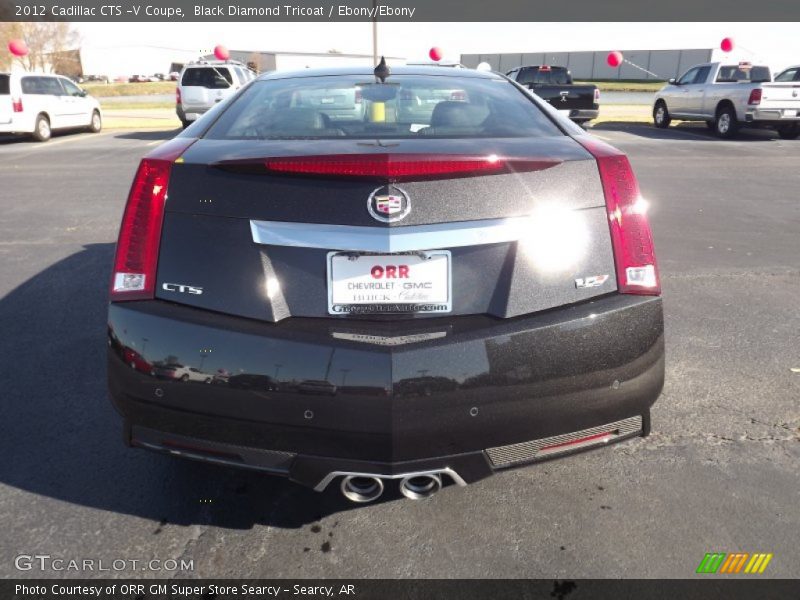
(203, 84)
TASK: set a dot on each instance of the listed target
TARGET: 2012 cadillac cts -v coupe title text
(418, 279)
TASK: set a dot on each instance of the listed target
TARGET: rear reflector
(631, 237)
(177, 95)
(393, 167)
(755, 96)
(16, 104)
(597, 94)
(140, 232)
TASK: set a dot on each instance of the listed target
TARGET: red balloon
(727, 44)
(18, 47)
(614, 59)
(221, 52)
(436, 53)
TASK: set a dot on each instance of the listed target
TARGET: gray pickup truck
(730, 96)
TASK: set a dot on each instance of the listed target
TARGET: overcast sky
(777, 44)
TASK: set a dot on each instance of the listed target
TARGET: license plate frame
(436, 306)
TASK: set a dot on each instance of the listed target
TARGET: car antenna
(382, 71)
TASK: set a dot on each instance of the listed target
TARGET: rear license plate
(389, 283)
(789, 113)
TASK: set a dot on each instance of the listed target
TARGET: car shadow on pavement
(149, 135)
(683, 132)
(62, 437)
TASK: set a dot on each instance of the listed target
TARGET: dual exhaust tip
(367, 488)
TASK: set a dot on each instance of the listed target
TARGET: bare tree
(47, 42)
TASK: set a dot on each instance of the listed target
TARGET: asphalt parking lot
(719, 473)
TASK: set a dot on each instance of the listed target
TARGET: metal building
(592, 64)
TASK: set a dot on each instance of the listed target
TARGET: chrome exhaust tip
(362, 488)
(417, 487)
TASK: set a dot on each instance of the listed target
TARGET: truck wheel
(725, 125)
(661, 118)
(41, 131)
(789, 132)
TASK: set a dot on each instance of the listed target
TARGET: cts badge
(388, 204)
(590, 282)
(181, 288)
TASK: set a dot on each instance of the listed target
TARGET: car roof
(368, 72)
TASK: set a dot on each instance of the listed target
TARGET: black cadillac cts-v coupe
(415, 279)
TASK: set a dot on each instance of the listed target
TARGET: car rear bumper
(772, 115)
(463, 396)
(582, 114)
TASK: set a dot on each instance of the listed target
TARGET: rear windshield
(214, 78)
(737, 73)
(406, 106)
(554, 75)
(4, 85)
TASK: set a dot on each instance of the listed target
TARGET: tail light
(545, 68)
(16, 104)
(597, 94)
(755, 96)
(177, 95)
(396, 167)
(359, 97)
(632, 239)
(140, 232)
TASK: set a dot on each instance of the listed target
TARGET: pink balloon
(727, 44)
(18, 47)
(436, 53)
(221, 52)
(614, 59)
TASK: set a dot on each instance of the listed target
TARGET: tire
(184, 378)
(96, 124)
(789, 132)
(725, 125)
(185, 124)
(42, 131)
(661, 118)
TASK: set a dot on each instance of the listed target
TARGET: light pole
(277, 369)
(375, 32)
(344, 375)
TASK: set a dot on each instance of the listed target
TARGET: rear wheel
(661, 118)
(41, 131)
(789, 132)
(185, 124)
(96, 123)
(725, 125)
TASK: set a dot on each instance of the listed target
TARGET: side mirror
(83, 93)
(672, 81)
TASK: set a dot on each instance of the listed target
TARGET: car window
(743, 73)
(5, 84)
(788, 75)
(71, 88)
(702, 75)
(214, 78)
(689, 76)
(51, 86)
(405, 106)
(552, 75)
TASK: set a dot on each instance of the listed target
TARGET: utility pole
(375, 32)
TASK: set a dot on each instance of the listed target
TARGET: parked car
(174, 75)
(138, 79)
(728, 97)
(581, 103)
(789, 74)
(180, 372)
(206, 83)
(38, 104)
(510, 250)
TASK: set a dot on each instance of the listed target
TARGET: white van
(38, 104)
(205, 83)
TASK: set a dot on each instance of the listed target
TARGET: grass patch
(106, 106)
(105, 90)
(626, 86)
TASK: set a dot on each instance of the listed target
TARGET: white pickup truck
(728, 97)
